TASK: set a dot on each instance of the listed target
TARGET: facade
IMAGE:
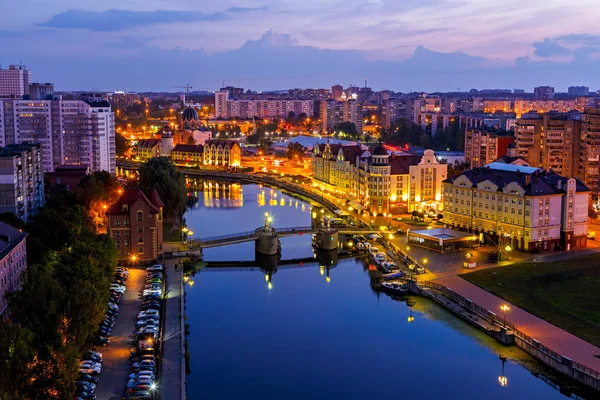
(221, 98)
(135, 222)
(543, 92)
(21, 180)
(550, 141)
(13, 263)
(14, 81)
(334, 112)
(522, 207)
(589, 150)
(379, 182)
(188, 154)
(75, 132)
(41, 91)
(545, 106)
(148, 148)
(222, 153)
(483, 146)
(68, 176)
(336, 92)
(259, 107)
(578, 91)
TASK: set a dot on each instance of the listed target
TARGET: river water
(317, 333)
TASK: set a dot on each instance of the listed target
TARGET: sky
(402, 45)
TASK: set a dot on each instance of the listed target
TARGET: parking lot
(116, 366)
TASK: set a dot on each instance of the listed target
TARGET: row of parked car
(91, 364)
(142, 380)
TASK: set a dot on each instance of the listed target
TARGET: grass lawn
(564, 293)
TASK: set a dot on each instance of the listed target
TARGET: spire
(155, 198)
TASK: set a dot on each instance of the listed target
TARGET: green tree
(16, 355)
(98, 187)
(160, 174)
(425, 141)
(347, 128)
(121, 144)
(295, 149)
(265, 145)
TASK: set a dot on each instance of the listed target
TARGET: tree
(160, 174)
(264, 145)
(457, 168)
(425, 141)
(16, 355)
(295, 149)
(191, 140)
(121, 144)
(347, 128)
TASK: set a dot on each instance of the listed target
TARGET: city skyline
(420, 46)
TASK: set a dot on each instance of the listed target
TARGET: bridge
(249, 236)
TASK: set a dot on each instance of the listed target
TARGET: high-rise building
(483, 146)
(589, 153)
(21, 180)
(523, 207)
(336, 92)
(550, 141)
(543, 92)
(15, 81)
(579, 91)
(221, 98)
(69, 131)
(334, 112)
(41, 91)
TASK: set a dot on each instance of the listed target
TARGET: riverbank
(173, 372)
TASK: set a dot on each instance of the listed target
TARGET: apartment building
(483, 146)
(523, 207)
(75, 132)
(260, 107)
(13, 263)
(14, 81)
(334, 112)
(550, 141)
(21, 180)
(589, 150)
(135, 224)
(543, 92)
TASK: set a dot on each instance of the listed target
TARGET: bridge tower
(267, 242)
(326, 238)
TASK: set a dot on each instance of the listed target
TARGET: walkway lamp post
(153, 388)
(504, 309)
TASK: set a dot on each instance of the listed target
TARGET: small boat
(373, 250)
(393, 275)
(389, 265)
(395, 288)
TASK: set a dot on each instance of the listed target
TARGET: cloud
(580, 38)
(118, 20)
(549, 48)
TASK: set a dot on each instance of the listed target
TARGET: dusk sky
(396, 44)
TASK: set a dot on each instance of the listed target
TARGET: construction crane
(187, 88)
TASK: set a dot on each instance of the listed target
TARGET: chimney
(511, 150)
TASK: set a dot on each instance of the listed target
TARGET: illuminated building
(14, 81)
(222, 153)
(334, 112)
(589, 154)
(532, 209)
(135, 224)
(186, 154)
(482, 146)
(13, 262)
(148, 148)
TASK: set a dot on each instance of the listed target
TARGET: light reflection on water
(324, 333)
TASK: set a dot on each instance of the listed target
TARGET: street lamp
(504, 308)
(502, 379)
(153, 388)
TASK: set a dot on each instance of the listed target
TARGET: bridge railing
(295, 229)
(224, 237)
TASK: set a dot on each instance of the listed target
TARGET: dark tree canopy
(295, 149)
(159, 173)
(348, 128)
(121, 144)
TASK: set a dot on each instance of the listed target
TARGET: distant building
(186, 154)
(15, 81)
(334, 112)
(13, 263)
(589, 153)
(543, 92)
(522, 207)
(68, 176)
(222, 153)
(201, 135)
(41, 91)
(221, 98)
(579, 91)
(135, 222)
(75, 132)
(148, 148)
(21, 180)
(483, 146)
(336, 92)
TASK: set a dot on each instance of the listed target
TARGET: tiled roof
(148, 143)
(223, 142)
(188, 148)
(130, 197)
(535, 182)
(401, 164)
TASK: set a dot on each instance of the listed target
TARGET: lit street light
(505, 308)
(153, 388)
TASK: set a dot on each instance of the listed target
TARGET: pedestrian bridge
(249, 236)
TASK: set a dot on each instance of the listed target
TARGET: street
(115, 366)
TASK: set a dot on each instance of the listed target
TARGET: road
(115, 364)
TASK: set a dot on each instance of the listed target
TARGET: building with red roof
(135, 222)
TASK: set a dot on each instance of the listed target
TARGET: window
(118, 243)
(117, 223)
(140, 216)
(140, 229)
(125, 222)
(141, 249)
(140, 239)
(126, 243)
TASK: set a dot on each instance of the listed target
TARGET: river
(315, 333)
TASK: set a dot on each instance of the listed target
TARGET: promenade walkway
(549, 335)
(172, 375)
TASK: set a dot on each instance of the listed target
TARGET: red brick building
(69, 176)
(135, 223)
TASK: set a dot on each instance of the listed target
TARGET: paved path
(549, 335)
(115, 364)
(172, 374)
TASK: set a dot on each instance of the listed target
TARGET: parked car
(102, 341)
(140, 374)
(155, 267)
(148, 312)
(87, 378)
(94, 355)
